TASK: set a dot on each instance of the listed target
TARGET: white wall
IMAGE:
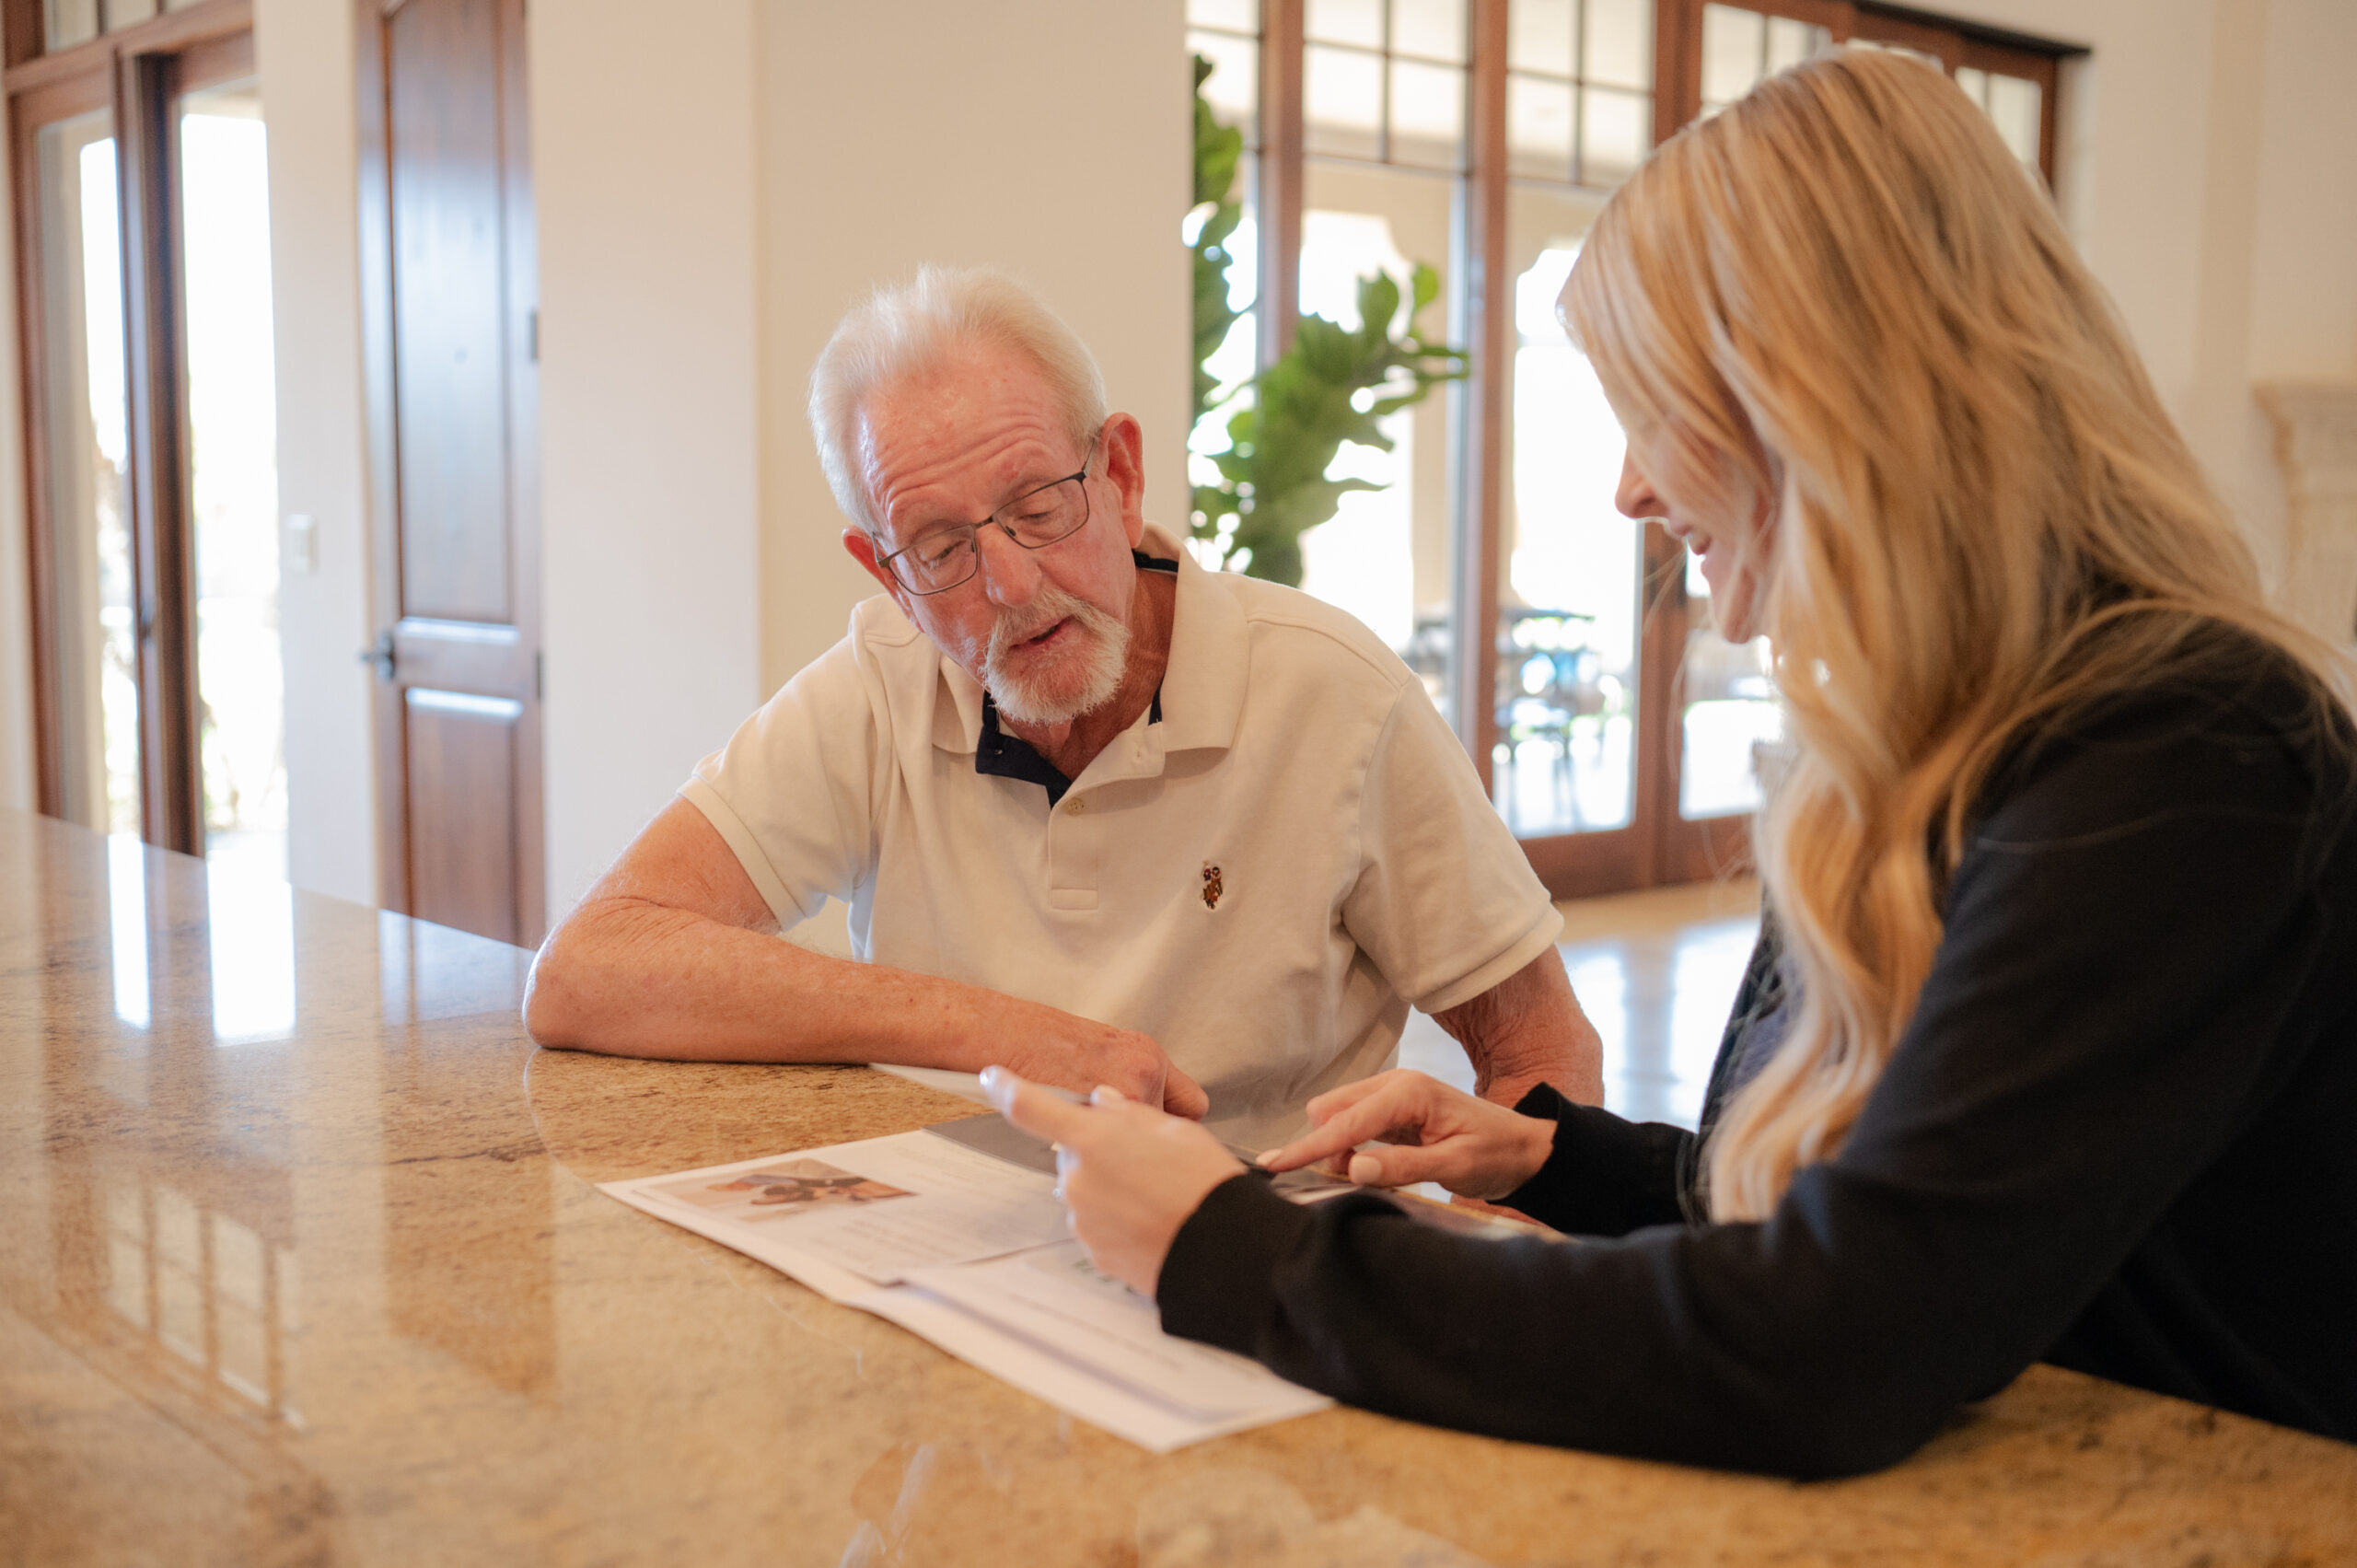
(644, 144)
(1052, 140)
(303, 54)
(2211, 177)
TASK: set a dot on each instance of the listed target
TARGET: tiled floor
(1657, 972)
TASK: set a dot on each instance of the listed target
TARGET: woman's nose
(1634, 495)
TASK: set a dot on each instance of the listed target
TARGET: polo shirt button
(1076, 807)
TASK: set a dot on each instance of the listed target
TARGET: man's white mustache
(1054, 606)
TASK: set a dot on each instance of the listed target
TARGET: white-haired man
(1100, 816)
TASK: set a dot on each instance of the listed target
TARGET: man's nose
(1634, 495)
(1010, 574)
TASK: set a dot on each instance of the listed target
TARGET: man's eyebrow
(925, 530)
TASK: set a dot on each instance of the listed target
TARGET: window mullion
(1481, 457)
(1277, 299)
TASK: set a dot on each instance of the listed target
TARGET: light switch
(298, 544)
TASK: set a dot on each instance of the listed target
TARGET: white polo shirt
(1261, 873)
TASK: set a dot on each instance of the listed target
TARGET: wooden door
(451, 282)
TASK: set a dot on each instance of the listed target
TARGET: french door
(141, 193)
(1621, 739)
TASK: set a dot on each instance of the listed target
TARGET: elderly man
(1100, 816)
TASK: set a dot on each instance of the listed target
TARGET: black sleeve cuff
(1218, 1281)
(1606, 1175)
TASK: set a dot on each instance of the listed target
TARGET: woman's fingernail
(1105, 1094)
(1267, 1156)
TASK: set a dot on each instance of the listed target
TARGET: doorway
(449, 289)
(141, 200)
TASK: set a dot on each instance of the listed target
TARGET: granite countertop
(302, 1263)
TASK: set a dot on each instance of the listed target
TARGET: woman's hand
(1425, 1131)
(1130, 1173)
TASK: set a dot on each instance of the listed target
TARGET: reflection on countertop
(301, 1262)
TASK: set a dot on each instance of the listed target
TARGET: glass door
(1383, 158)
(86, 572)
(223, 183)
(1569, 768)
(1624, 741)
(143, 234)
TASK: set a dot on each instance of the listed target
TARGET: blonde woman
(2051, 1047)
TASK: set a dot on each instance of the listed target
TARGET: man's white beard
(1081, 681)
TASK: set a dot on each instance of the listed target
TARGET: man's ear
(1125, 445)
(862, 548)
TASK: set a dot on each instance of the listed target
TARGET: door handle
(381, 655)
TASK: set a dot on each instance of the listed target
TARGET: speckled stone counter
(301, 1262)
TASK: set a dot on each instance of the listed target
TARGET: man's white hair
(910, 328)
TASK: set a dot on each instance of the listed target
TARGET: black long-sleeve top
(2118, 1134)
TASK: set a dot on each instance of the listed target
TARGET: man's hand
(1526, 1030)
(1131, 1174)
(1079, 1054)
(1424, 1131)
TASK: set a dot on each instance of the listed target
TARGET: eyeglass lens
(948, 556)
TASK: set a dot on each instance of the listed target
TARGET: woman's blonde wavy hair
(1841, 302)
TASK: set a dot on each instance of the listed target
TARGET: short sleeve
(1445, 902)
(792, 791)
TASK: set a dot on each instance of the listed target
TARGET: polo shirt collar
(1202, 696)
(1202, 686)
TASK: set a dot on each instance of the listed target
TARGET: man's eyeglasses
(1035, 519)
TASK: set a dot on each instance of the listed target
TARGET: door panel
(442, 75)
(448, 291)
(461, 751)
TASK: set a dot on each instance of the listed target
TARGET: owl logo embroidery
(1212, 889)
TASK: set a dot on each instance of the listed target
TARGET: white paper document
(971, 1252)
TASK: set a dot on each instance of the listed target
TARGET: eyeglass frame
(974, 530)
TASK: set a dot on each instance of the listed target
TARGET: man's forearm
(634, 977)
(638, 979)
(1529, 1030)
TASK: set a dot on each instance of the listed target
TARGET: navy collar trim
(1005, 756)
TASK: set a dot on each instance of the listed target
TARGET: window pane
(1427, 114)
(1974, 83)
(1538, 36)
(1619, 43)
(122, 13)
(1734, 46)
(1345, 21)
(69, 22)
(1790, 42)
(1538, 127)
(1233, 86)
(1241, 16)
(1569, 613)
(1386, 555)
(1232, 364)
(2014, 104)
(84, 427)
(1434, 29)
(1342, 101)
(234, 474)
(1615, 129)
